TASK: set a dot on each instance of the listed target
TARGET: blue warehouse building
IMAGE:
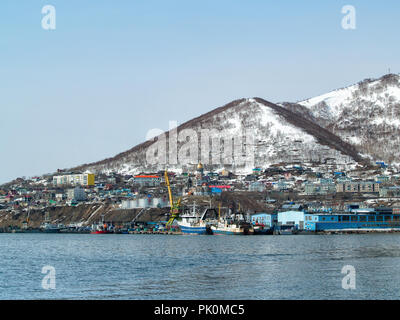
(348, 221)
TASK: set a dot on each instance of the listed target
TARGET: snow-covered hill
(366, 114)
(244, 134)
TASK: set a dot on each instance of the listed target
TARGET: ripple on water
(202, 267)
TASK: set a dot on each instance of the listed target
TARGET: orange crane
(175, 207)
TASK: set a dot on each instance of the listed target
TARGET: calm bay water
(199, 267)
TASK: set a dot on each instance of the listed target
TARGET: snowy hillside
(246, 133)
(366, 115)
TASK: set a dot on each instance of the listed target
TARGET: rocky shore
(84, 214)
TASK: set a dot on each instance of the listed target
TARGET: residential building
(320, 188)
(76, 194)
(84, 179)
(393, 191)
(257, 186)
(358, 186)
(147, 180)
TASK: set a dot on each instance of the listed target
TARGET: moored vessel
(196, 223)
(101, 227)
(49, 228)
(233, 225)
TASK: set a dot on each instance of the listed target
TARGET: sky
(111, 71)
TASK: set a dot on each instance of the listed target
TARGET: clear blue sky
(112, 70)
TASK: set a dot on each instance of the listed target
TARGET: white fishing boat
(48, 227)
(232, 225)
(195, 223)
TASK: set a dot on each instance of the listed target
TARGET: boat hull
(193, 229)
(227, 232)
(50, 230)
(263, 231)
(232, 229)
(100, 232)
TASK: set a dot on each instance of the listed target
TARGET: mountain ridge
(366, 114)
(221, 117)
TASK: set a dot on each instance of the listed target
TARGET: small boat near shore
(286, 230)
(260, 229)
(49, 228)
(101, 227)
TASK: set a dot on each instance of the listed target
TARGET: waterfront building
(351, 221)
(294, 218)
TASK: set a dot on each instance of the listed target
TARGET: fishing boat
(262, 229)
(196, 223)
(286, 230)
(49, 228)
(232, 225)
(101, 227)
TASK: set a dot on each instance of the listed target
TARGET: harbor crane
(175, 206)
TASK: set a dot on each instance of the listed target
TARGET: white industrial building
(144, 203)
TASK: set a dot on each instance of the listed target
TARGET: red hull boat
(100, 232)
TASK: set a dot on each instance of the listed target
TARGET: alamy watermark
(349, 280)
(49, 280)
(49, 18)
(208, 146)
(349, 20)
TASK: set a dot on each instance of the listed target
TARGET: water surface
(199, 267)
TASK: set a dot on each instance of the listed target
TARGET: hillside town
(272, 190)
